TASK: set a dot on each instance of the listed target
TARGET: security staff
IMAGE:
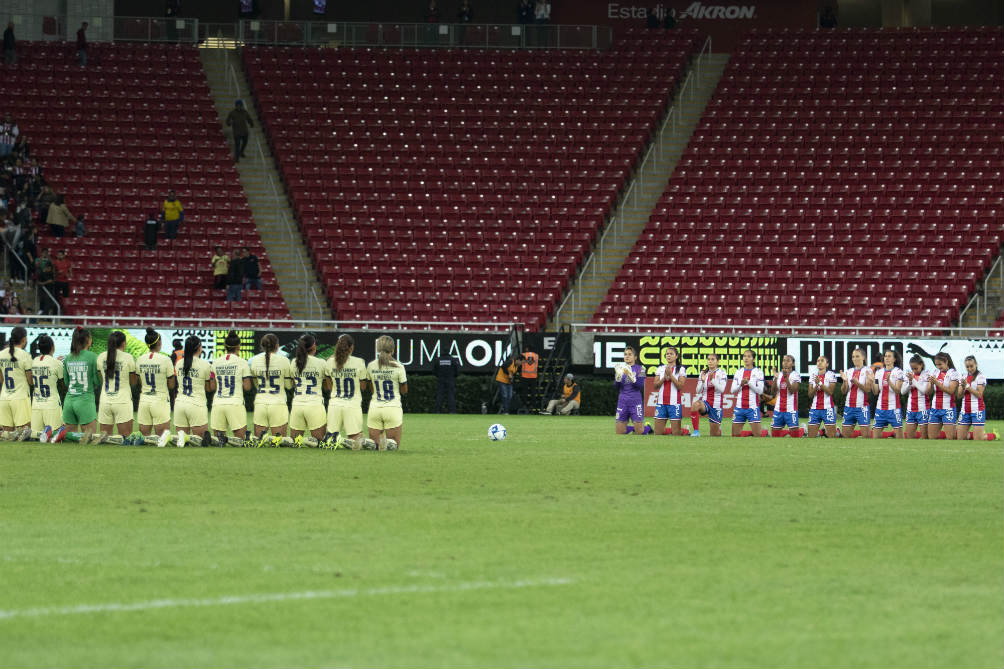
(446, 369)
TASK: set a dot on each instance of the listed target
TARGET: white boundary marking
(152, 604)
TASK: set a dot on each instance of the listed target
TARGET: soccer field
(562, 546)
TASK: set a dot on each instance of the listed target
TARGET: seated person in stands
(570, 400)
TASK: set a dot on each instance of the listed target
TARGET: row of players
(929, 397)
(30, 406)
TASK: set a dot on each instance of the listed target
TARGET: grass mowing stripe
(264, 598)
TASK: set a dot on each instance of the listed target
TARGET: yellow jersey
(307, 388)
(46, 373)
(231, 370)
(15, 383)
(115, 388)
(272, 385)
(345, 382)
(387, 382)
(154, 370)
(172, 210)
(193, 385)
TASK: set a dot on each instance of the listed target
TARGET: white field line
(117, 607)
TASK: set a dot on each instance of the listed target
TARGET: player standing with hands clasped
(709, 397)
(669, 380)
(887, 385)
(821, 409)
(785, 421)
(629, 380)
(856, 382)
(972, 411)
(748, 386)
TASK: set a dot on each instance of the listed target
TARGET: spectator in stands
(174, 215)
(652, 18)
(45, 198)
(150, 229)
(22, 150)
(8, 136)
(82, 44)
(79, 228)
(9, 45)
(542, 12)
(524, 14)
(59, 217)
(504, 377)
(431, 12)
(235, 277)
(240, 121)
(828, 18)
(171, 11)
(668, 19)
(14, 315)
(570, 400)
(220, 264)
(252, 270)
(465, 14)
(62, 271)
(45, 273)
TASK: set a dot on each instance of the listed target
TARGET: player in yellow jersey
(273, 377)
(47, 378)
(191, 417)
(385, 417)
(15, 401)
(156, 381)
(345, 407)
(310, 377)
(233, 379)
(117, 369)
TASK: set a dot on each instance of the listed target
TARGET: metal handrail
(712, 329)
(983, 310)
(188, 322)
(28, 276)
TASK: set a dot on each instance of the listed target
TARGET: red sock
(856, 433)
(685, 432)
(991, 436)
(746, 433)
(917, 435)
(800, 432)
(763, 432)
(942, 435)
(695, 420)
(774, 432)
(969, 436)
(886, 435)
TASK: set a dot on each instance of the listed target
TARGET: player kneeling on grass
(15, 401)
(191, 417)
(915, 388)
(669, 379)
(972, 411)
(272, 375)
(785, 420)
(386, 416)
(821, 408)
(80, 409)
(233, 379)
(47, 378)
(887, 385)
(157, 379)
(349, 379)
(747, 384)
(944, 384)
(629, 380)
(310, 377)
(117, 369)
(709, 398)
(857, 381)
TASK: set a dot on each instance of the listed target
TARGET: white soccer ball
(496, 432)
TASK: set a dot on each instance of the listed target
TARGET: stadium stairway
(265, 192)
(632, 214)
(988, 303)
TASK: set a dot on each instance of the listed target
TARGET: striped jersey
(817, 398)
(711, 387)
(746, 396)
(855, 396)
(941, 399)
(787, 401)
(888, 398)
(915, 388)
(971, 403)
(669, 393)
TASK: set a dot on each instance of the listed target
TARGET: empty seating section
(114, 137)
(458, 185)
(836, 178)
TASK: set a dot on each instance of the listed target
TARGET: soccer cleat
(286, 442)
(194, 440)
(298, 442)
(24, 434)
(99, 438)
(390, 445)
(235, 442)
(46, 435)
(695, 433)
(181, 439)
(310, 441)
(250, 442)
(209, 440)
(116, 439)
(151, 440)
(5, 435)
(369, 445)
(59, 435)
(164, 437)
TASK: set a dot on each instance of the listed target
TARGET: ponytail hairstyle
(973, 358)
(81, 336)
(917, 360)
(303, 345)
(385, 352)
(192, 343)
(45, 344)
(115, 339)
(342, 349)
(945, 358)
(152, 340)
(270, 344)
(17, 335)
(232, 342)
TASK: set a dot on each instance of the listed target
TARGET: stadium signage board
(608, 351)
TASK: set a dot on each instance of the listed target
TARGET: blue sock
(647, 430)
(629, 429)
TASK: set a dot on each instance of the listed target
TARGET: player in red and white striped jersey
(709, 398)
(945, 383)
(669, 380)
(915, 390)
(785, 421)
(972, 411)
(857, 381)
(887, 385)
(821, 410)
(747, 384)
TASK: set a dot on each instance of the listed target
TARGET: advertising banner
(689, 391)
(608, 351)
(989, 353)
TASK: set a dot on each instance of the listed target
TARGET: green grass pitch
(562, 546)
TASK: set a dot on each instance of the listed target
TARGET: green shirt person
(80, 370)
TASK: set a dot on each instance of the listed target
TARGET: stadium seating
(458, 185)
(114, 137)
(836, 178)
(999, 327)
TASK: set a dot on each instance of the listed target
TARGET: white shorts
(187, 416)
(307, 417)
(46, 414)
(113, 414)
(346, 420)
(229, 417)
(271, 415)
(154, 412)
(384, 418)
(15, 413)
